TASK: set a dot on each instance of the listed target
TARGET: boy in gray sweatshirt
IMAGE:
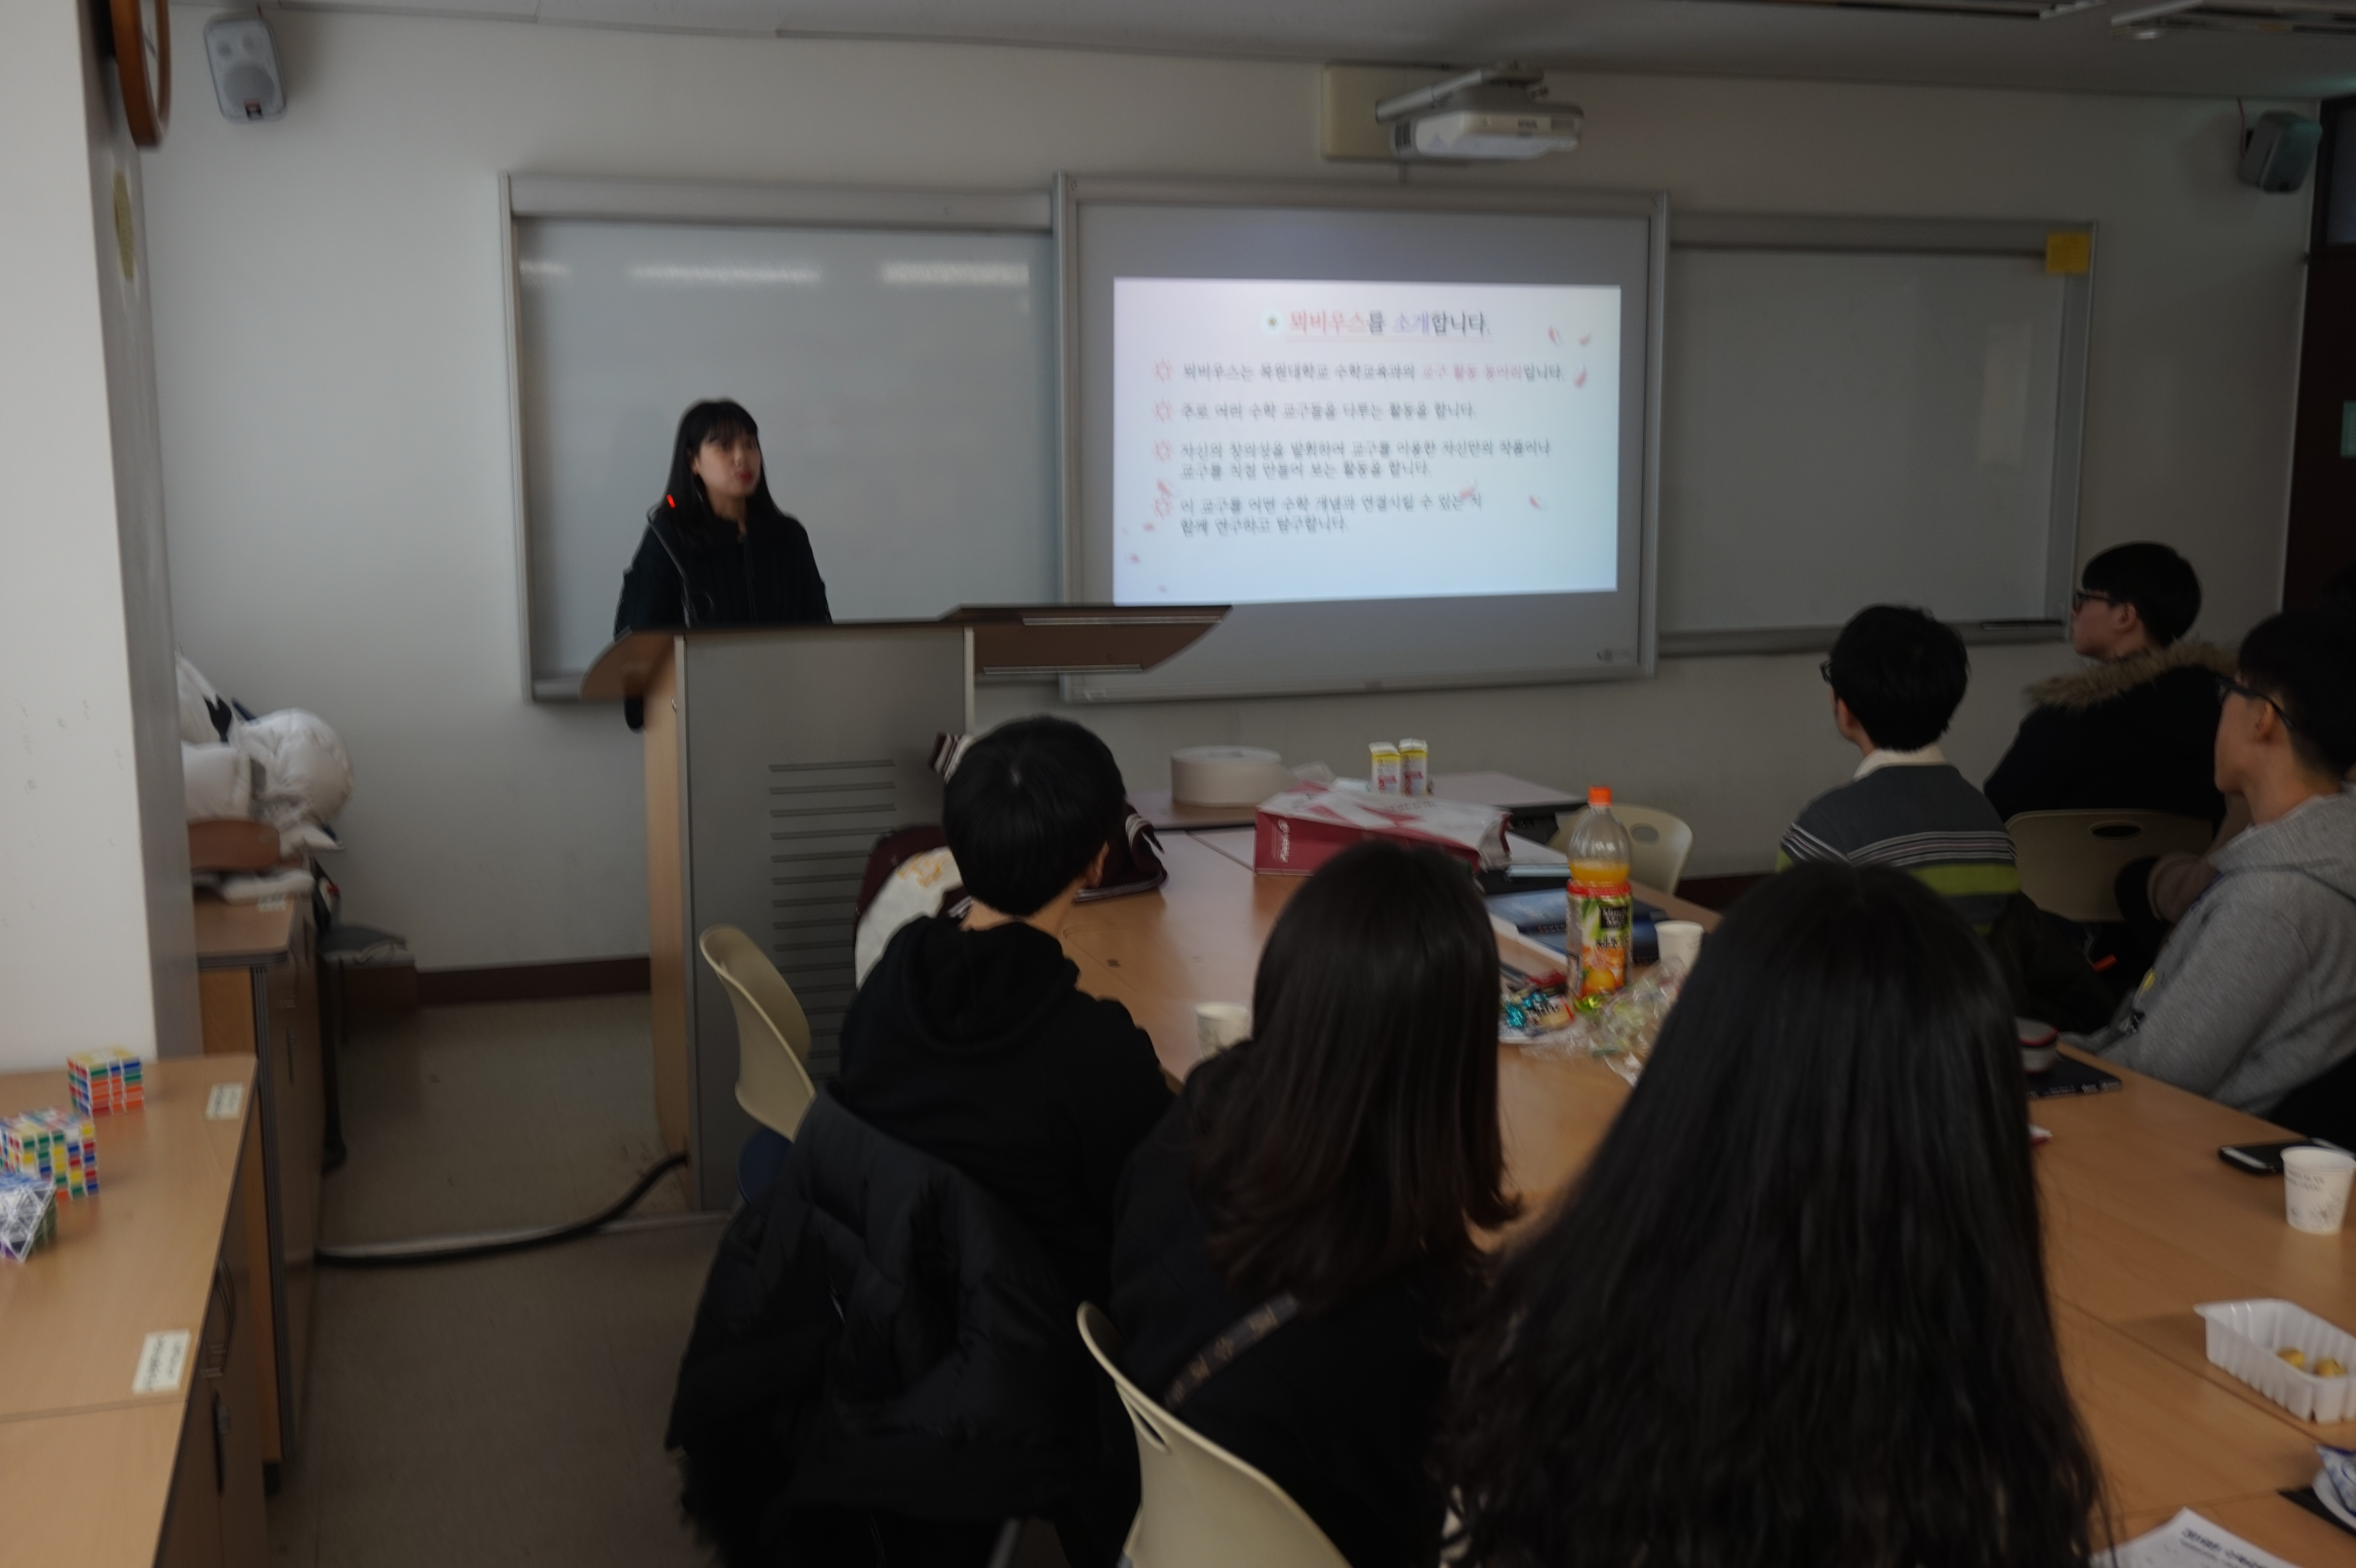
(2254, 993)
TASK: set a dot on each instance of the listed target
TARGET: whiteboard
(1851, 410)
(904, 381)
(1844, 427)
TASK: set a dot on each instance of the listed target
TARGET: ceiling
(2268, 48)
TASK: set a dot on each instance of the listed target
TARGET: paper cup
(1680, 943)
(2315, 1187)
(1218, 1025)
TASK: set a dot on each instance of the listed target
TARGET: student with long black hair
(716, 550)
(1324, 1180)
(1795, 1309)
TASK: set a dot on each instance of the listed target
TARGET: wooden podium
(775, 757)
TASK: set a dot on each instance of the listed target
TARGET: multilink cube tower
(106, 1081)
(57, 1146)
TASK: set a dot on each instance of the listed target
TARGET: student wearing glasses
(1897, 677)
(2130, 730)
(2254, 993)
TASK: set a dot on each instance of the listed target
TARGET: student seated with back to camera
(1898, 677)
(2132, 729)
(1795, 1311)
(971, 1038)
(1297, 1233)
(2254, 994)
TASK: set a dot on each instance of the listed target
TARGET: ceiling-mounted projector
(1496, 111)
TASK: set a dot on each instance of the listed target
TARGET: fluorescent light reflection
(543, 270)
(676, 276)
(958, 274)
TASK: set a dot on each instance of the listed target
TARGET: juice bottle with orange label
(1602, 904)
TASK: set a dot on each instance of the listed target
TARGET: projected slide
(1289, 440)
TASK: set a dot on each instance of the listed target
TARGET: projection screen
(1409, 434)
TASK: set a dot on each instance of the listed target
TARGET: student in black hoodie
(2134, 728)
(971, 1038)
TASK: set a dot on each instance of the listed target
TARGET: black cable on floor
(406, 1254)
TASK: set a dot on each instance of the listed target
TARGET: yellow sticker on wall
(2069, 251)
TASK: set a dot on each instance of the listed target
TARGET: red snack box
(1300, 829)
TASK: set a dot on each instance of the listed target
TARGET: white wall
(334, 384)
(97, 946)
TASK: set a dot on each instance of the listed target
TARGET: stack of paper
(2188, 1541)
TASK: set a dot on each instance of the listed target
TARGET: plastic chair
(2070, 860)
(1202, 1506)
(1661, 843)
(773, 1036)
(2322, 1107)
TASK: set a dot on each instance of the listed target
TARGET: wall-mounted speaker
(245, 68)
(2277, 151)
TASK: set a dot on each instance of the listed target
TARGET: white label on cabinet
(163, 1360)
(226, 1103)
(274, 902)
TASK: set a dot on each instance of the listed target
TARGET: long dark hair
(684, 503)
(1794, 1311)
(1358, 1131)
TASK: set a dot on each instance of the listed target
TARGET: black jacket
(2136, 734)
(707, 577)
(878, 1335)
(1339, 1409)
(979, 1047)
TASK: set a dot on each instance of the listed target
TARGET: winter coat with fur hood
(2136, 734)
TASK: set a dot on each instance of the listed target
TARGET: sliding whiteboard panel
(904, 381)
(1848, 427)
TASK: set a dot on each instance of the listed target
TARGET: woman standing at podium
(717, 551)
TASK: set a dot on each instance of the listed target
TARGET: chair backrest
(773, 1036)
(2069, 860)
(1659, 842)
(1202, 1506)
(2322, 1107)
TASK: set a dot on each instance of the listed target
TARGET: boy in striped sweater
(1897, 677)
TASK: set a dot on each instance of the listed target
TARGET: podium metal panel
(803, 746)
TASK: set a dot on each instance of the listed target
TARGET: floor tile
(508, 1410)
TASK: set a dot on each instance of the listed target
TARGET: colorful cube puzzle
(28, 1215)
(60, 1147)
(106, 1081)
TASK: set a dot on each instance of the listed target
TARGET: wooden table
(90, 1472)
(2142, 1218)
(257, 993)
(1198, 940)
(1517, 796)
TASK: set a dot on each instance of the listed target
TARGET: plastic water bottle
(1602, 904)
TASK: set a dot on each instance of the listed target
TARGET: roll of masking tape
(1226, 776)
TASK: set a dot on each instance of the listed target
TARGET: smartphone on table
(2265, 1160)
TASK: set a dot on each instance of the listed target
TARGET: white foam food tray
(2244, 1336)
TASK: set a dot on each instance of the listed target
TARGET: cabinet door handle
(214, 1362)
(221, 1443)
